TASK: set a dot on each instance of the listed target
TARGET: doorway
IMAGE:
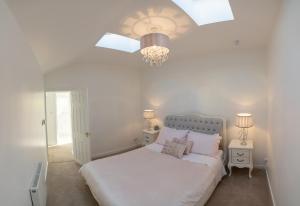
(68, 136)
(59, 126)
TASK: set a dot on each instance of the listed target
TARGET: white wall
(22, 137)
(114, 102)
(220, 84)
(284, 110)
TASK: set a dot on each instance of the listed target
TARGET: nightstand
(240, 155)
(149, 136)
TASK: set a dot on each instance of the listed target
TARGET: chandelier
(154, 48)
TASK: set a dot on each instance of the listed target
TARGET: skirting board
(270, 187)
(114, 152)
(259, 166)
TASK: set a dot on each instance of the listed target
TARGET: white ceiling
(65, 31)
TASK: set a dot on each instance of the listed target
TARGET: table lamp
(148, 115)
(244, 121)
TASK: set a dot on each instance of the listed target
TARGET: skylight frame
(205, 12)
(118, 42)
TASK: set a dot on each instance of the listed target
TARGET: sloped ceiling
(61, 32)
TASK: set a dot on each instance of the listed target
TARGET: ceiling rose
(169, 21)
(154, 48)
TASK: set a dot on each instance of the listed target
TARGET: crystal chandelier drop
(154, 48)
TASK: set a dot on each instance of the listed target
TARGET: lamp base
(149, 125)
(244, 136)
(244, 142)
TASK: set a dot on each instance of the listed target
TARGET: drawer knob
(240, 154)
(240, 160)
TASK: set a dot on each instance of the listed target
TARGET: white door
(81, 141)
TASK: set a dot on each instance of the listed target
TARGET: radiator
(38, 189)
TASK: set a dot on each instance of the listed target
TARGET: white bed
(216, 166)
(149, 178)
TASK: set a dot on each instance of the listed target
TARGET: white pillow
(167, 133)
(205, 144)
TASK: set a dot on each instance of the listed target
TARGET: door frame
(87, 108)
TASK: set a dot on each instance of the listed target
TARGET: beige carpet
(60, 153)
(67, 188)
(65, 185)
(239, 190)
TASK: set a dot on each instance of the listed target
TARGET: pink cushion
(205, 144)
(167, 133)
(188, 144)
(174, 149)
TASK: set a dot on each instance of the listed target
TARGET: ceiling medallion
(154, 48)
(170, 21)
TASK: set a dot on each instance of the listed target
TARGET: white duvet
(146, 177)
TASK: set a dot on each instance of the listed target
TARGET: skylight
(118, 42)
(206, 11)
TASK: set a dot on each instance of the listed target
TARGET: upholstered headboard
(200, 123)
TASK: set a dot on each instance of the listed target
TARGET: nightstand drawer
(240, 160)
(240, 153)
(148, 137)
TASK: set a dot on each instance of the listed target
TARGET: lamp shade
(154, 48)
(148, 114)
(244, 120)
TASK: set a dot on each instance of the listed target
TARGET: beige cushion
(174, 149)
(188, 144)
(188, 149)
